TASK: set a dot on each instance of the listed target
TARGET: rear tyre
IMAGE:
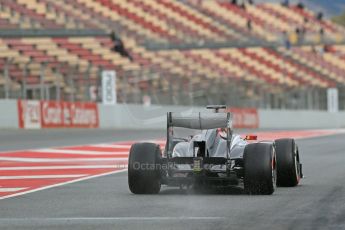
(143, 170)
(259, 169)
(288, 164)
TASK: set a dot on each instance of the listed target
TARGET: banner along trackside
(81, 115)
(58, 114)
(52, 114)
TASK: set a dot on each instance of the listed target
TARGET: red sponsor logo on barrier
(245, 117)
(52, 114)
(55, 114)
(29, 116)
(81, 115)
(69, 114)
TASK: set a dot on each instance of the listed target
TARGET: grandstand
(182, 52)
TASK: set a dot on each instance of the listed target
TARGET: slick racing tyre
(259, 169)
(143, 170)
(289, 169)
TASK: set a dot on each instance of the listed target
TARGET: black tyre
(288, 164)
(143, 168)
(259, 169)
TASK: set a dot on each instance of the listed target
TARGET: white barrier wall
(138, 116)
(8, 114)
(154, 117)
(272, 119)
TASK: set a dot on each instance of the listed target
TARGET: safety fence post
(42, 77)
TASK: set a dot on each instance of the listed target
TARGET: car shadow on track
(209, 191)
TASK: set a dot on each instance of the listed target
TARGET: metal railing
(72, 83)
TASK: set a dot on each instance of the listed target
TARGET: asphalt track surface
(106, 203)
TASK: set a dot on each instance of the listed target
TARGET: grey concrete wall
(300, 119)
(138, 116)
(154, 117)
(8, 114)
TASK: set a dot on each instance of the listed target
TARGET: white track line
(2, 189)
(24, 159)
(41, 177)
(78, 152)
(319, 135)
(109, 145)
(158, 218)
(59, 167)
(60, 184)
(154, 141)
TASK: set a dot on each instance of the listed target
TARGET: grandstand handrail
(50, 33)
(152, 45)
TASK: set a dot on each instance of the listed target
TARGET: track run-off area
(32, 170)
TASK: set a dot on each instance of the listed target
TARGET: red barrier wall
(55, 114)
(245, 118)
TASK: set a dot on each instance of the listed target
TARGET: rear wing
(200, 120)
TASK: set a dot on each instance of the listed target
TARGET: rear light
(251, 137)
